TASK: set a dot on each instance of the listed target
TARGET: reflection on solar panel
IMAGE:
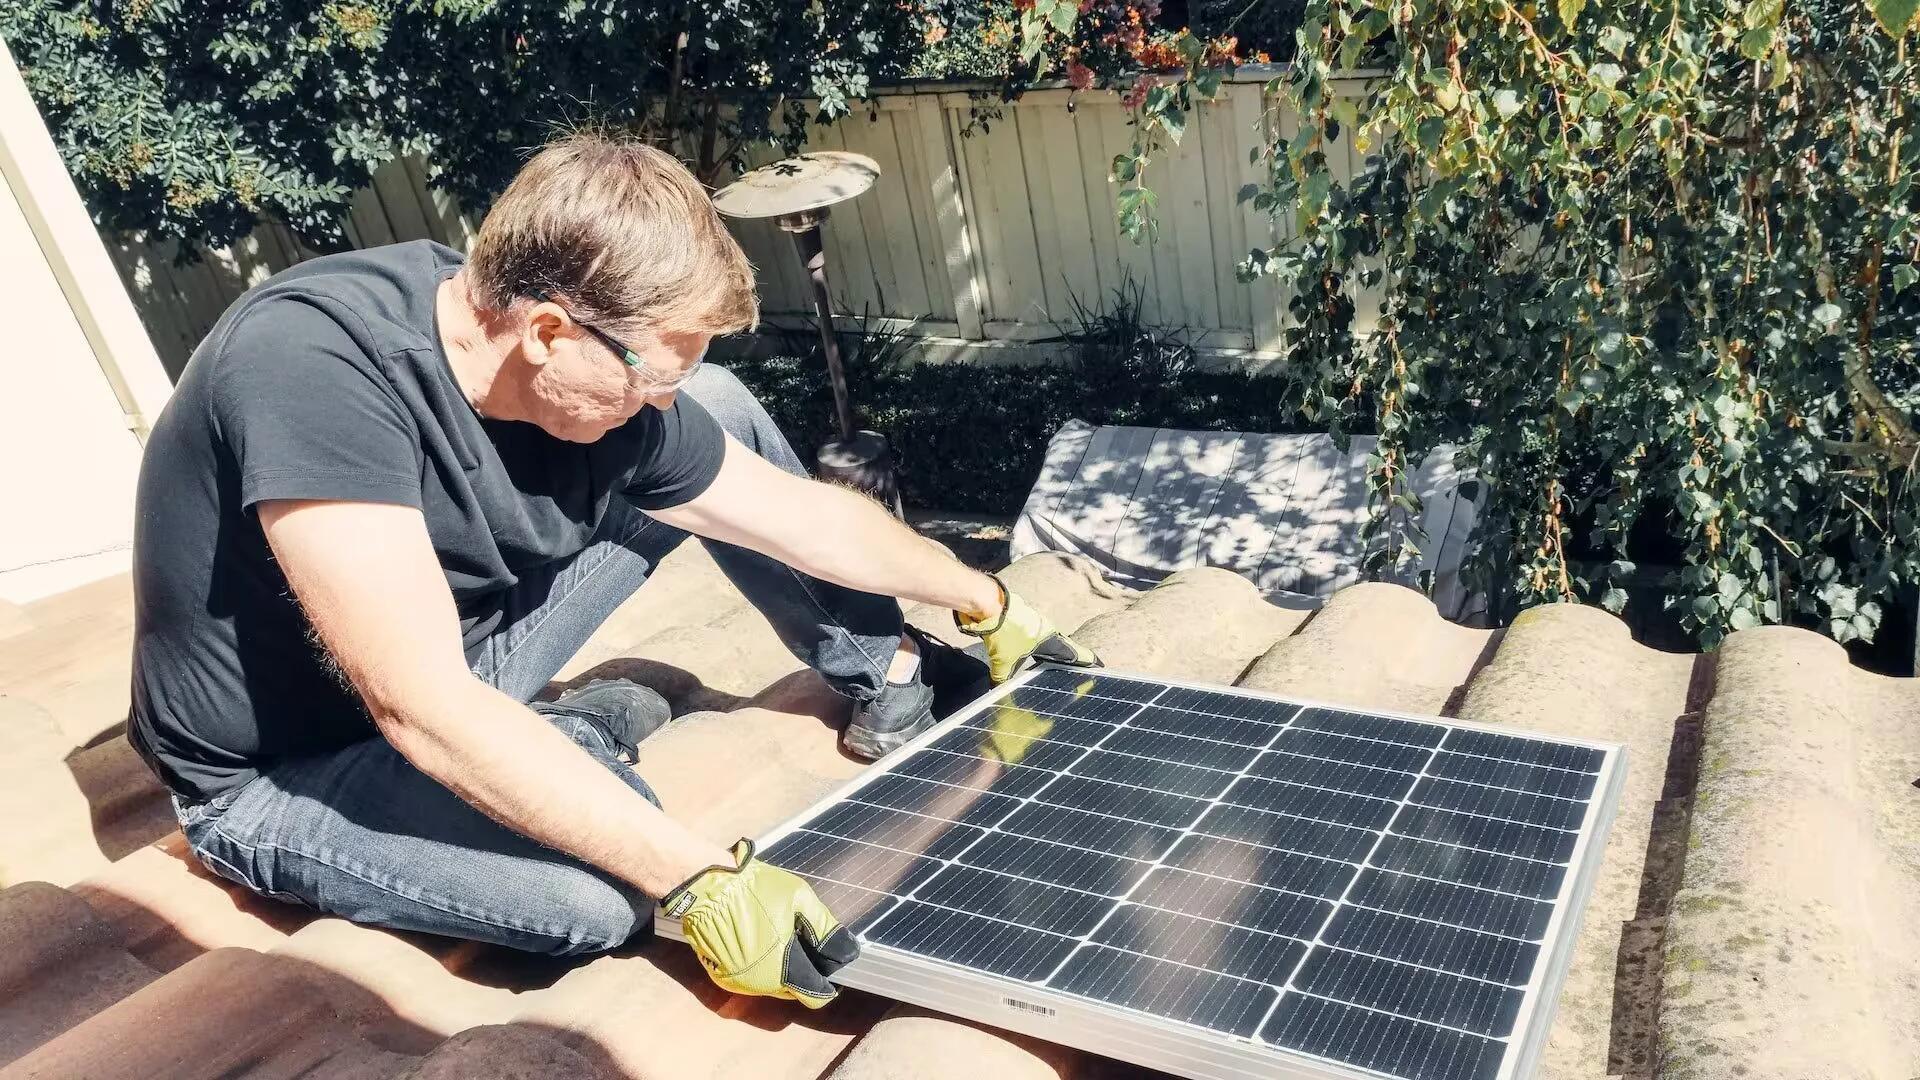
(1218, 883)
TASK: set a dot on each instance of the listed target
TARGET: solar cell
(1215, 882)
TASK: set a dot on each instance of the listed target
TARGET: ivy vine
(1651, 262)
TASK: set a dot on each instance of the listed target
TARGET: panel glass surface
(1367, 890)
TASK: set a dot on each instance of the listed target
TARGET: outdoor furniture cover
(1283, 511)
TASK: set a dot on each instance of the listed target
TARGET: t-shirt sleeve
(679, 457)
(307, 415)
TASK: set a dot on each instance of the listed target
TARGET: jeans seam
(359, 874)
(546, 611)
(829, 620)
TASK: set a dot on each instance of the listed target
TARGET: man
(394, 492)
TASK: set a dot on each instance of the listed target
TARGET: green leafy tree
(1650, 262)
(195, 119)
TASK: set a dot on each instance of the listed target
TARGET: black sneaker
(947, 679)
(626, 711)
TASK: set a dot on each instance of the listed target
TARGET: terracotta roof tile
(226, 1012)
(510, 1052)
(50, 981)
(913, 1044)
(1576, 671)
(1205, 624)
(1374, 645)
(1794, 945)
(1790, 948)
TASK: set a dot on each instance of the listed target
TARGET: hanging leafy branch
(1646, 262)
(196, 119)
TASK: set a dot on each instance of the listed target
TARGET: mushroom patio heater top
(796, 193)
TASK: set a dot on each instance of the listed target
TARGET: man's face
(581, 388)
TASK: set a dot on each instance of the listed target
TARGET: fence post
(1251, 115)
(950, 213)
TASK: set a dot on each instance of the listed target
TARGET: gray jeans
(362, 834)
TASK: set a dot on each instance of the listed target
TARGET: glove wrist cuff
(979, 631)
(682, 896)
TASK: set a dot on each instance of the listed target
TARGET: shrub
(1647, 262)
(194, 119)
(971, 436)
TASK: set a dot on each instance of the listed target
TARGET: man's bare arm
(366, 575)
(831, 533)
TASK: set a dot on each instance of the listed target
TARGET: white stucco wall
(67, 456)
(78, 376)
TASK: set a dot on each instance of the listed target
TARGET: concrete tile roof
(1758, 912)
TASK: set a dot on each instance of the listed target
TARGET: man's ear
(543, 325)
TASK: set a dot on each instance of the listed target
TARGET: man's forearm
(852, 541)
(501, 757)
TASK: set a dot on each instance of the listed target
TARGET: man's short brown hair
(622, 234)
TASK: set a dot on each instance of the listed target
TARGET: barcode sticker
(1029, 1007)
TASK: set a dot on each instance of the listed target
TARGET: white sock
(912, 661)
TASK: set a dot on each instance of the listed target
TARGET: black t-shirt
(329, 382)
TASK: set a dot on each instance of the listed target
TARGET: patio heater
(797, 193)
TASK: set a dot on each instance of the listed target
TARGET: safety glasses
(638, 372)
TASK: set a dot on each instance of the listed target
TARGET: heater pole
(795, 193)
(806, 241)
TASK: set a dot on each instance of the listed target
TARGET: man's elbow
(418, 715)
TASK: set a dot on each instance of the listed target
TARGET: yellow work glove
(1020, 632)
(761, 930)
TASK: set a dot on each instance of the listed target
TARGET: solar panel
(1219, 883)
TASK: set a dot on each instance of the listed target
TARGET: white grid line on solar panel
(806, 827)
(1064, 771)
(1158, 862)
(1300, 708)
(1026, 799)
(1396, 961)
(1268, 747)
(1442, 749)
(1085, 940)
(1357, 906)
(1030, 799)
(1319, 937)
(1214, 1020)
(954, 861)
(1151, 866)
(1118, 902)
(1172, 708)
(1122, 900)
(1455, 884)
(1403, 772)
(1077, 776)
(1144, 757)
(1450, 731)
(1367, 1008)
(1140, 707)
(1046, 983)
(1161, 863)
(1041, 983)
(1411, 801)
(980, 722)
(1193, 830)
(1223, 799)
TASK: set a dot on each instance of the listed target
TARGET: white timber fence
(982, 234)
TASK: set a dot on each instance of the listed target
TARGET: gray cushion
(1283, 511)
